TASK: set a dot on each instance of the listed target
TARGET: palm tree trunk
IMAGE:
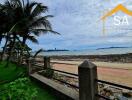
(11, 49)
(4, 48)
(1, 38)
(21, 52)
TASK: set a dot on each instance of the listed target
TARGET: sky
(78, 22)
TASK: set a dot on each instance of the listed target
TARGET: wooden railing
(112, 84)
(87, 77)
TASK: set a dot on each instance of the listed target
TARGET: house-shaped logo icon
(120, 7)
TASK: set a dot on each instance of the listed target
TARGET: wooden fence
(87, 76)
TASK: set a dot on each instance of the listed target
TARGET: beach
(115, 68)
(120, 73)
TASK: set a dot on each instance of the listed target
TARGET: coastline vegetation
(21, 21)
(14, 84)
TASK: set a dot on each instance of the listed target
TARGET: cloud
(79, 23)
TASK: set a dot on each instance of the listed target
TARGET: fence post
(88, 87)
(29, 66)
(46, 62)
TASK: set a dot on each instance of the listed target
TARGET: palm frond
(39, 51)
(28, 8)
(54, 32)
(43, 31)
(41, 22)
(39, 9)
(48, 16)
(33, 39)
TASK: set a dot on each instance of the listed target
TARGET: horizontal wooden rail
(98, 95)
(63, 63)
(67, 83)
(41, 66)
(113, 84)
(65, 72)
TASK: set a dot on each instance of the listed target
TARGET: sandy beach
(120, 73)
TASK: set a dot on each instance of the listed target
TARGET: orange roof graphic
(120, 7)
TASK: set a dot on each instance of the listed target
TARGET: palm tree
(32, 22)
(5, 22)
(27, 21)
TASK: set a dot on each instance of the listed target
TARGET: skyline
(80, 28)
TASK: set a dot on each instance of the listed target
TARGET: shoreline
(123, 58)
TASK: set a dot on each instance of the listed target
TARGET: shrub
(20, 89)
(47, 73)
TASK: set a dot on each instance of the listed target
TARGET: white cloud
(79, 25)
(78, 22)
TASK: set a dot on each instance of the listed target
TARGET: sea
(89, 52)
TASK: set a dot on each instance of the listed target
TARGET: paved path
(70, 92)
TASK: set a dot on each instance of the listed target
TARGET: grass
(44, 95)
(12, 72)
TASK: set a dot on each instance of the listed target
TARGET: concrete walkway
(72, 93)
